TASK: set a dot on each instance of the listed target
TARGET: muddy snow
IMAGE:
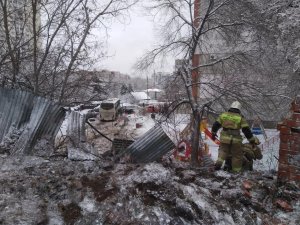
(35, 190)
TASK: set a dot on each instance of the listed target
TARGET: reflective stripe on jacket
(231, 123)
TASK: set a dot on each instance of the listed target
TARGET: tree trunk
(195, 140)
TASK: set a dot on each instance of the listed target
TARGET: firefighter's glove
(257, 153)
(214, 136)
(254, 141)
(249, 154)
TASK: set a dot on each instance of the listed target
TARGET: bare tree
(181, 35)
(13, 41)
(235, 45)
(58, 39)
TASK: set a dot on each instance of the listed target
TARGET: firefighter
(250, 153)
(231, 123)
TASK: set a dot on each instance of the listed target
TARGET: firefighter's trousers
(235, 151)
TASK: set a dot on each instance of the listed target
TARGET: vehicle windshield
(107, 106)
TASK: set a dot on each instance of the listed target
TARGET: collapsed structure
(25, 119)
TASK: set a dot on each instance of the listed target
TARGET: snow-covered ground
(58, 192)
(53, 191)
(270, 151)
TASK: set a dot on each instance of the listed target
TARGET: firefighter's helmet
(236, 105)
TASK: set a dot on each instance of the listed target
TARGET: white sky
(127, 42)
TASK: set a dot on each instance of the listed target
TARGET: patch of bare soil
(99, 186)
(70, 213)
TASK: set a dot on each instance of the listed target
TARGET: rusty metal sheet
(150, 147)
(34, 116)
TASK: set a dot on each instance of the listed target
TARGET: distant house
(135, 97)
(140, 95)
(154, 93)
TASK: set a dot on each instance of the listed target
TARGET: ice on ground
(79, 154)
(88, 205)
(152, 172)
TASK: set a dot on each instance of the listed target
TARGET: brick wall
(289, 151)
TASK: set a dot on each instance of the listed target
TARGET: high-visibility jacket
(231, 123)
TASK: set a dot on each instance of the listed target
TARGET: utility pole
(147, 87)
(154, 78)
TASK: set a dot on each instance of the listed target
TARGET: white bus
(109, 109)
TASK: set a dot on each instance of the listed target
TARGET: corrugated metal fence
(76, 128)
(150, 147)
(35, 116)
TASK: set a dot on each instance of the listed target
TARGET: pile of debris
(39, 191)
(86, 186)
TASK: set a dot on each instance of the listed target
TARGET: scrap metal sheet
(34, 116)
(150, 147)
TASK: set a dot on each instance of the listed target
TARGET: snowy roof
(140, 95)
(111, 100)
(149, 101)
(96, 102)
(126, 104)
(153, 90)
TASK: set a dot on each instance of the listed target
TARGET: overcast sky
(127, 42)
